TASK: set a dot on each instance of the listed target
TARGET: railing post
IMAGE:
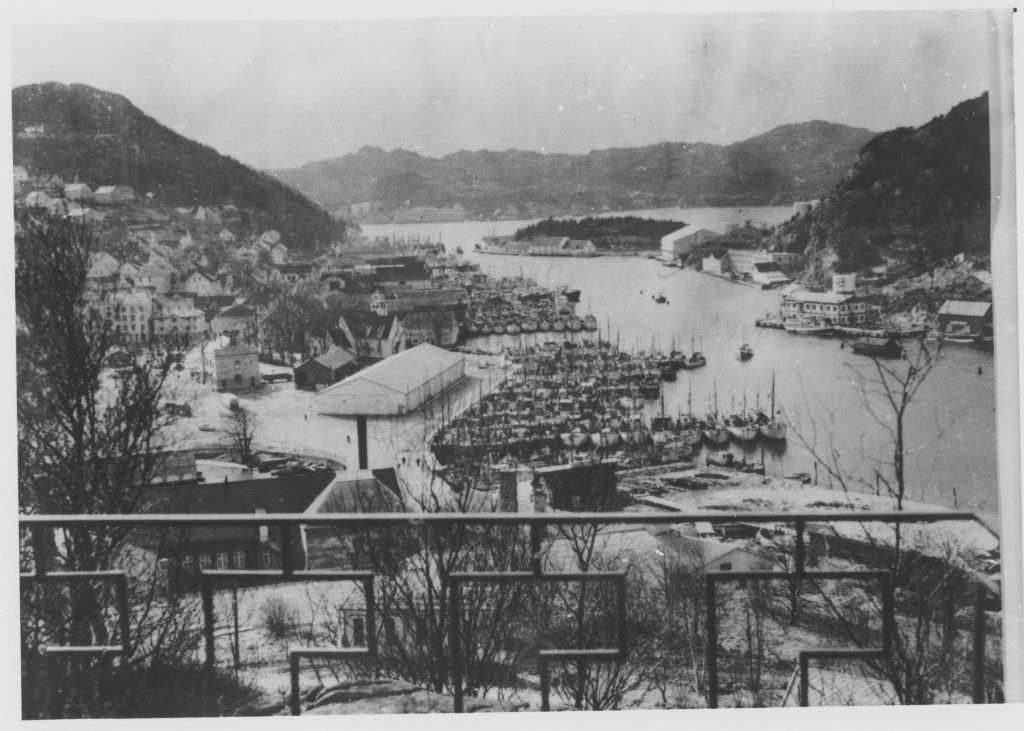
(980, 594)
(535, 538)
(711, 629)
(888, 612)
(287, 565)
(293, 672)
(800, 548)
(621, 615)
(456, 645)
(545, 685)
(124, 615)
(39, 557)
(207, 588)
(804, 681)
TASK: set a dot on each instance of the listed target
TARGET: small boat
(878, 348)
(529, 325)
(590, 322)
(571, 295)
(458, 250)
(746, 352)
(574, 324)
(559, 326)
(512, 328)
(660, 299)
(668, 375)
(544, 326)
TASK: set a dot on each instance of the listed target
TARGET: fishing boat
(746, 352)
(571, 295)
(590, 322)
(559, 326)
(660, 299)
(771, 427)
(544, 326)
(512, 328)
(529, 325)
(668, 374)
(696, 359)
(713, 431)
(574, 324)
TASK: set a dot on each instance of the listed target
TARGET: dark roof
(768, 266)
(369, 324)
(299, 267)
(334, 358)
(291, 494)
(338, 337)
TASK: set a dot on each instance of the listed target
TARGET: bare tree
(88, 443)
(931, 584)
(241, 431)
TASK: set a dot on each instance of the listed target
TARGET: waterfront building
(230, 364)
(678, 243)
(397, 385)
(548, 245)
(832, 307)
(768, 274)
(742, 261)
(437, 327)
(958, 318)
(713, 264)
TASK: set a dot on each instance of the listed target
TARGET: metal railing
(537, 523)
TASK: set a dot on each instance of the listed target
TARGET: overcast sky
(285, 93)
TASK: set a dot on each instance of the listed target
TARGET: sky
(279, 94)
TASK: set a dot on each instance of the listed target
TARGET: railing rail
(287, 522)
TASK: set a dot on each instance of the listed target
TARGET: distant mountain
(792, 162)
(103, 139)
(913, 199)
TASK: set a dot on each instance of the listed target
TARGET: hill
(792, 162)
(103, 139)
(913, 199)
(608, 233)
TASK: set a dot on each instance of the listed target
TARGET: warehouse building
(678, 243)
(397, 385)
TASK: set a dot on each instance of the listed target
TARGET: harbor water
(951, 434)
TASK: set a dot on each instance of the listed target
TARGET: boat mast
(773, 395)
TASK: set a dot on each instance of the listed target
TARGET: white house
(742, 261)
(397, 385)
(20, 174)
(230, 365)
(77, 192)
(714, 264)
(678, 243)
(37, 199)
(177, 317)
(768, 274)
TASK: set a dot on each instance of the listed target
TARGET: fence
(37, 525)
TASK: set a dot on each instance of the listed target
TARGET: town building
(37, 199)
(372, 336)
(678, 243)
(114, 194)
(397, 385)
(294, 273)
(580, 247)
(788, 262)
(77, 192)
(325, 370)
(238, 319)
(437, 327)
(257, 547)
(177, 319)
(958, 318)
(20, 174)
(227, 236)
(129, 313)
(159, 277)
(547, 245)
(230, 365)
(718, 555)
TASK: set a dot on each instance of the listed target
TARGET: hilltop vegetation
(609, 233)
(101, 138)
(915, 198)
(791, 162)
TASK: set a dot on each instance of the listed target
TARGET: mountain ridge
(791, 162)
